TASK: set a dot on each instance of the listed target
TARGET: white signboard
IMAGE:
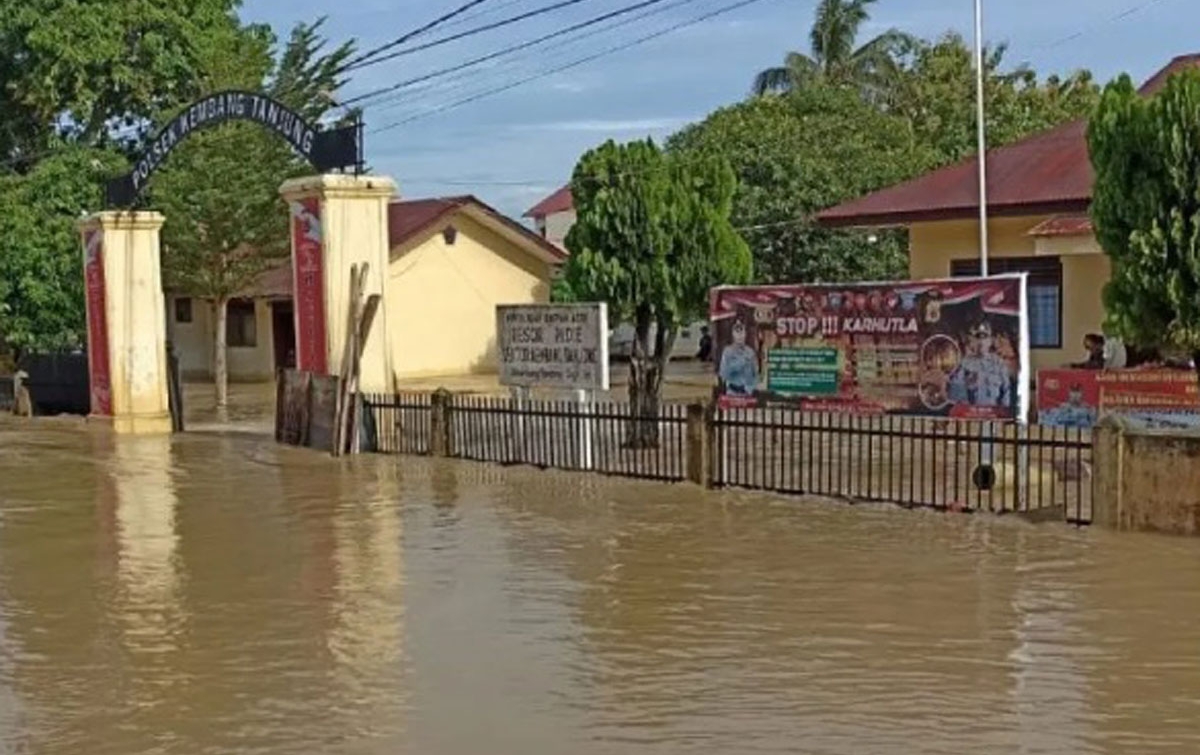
(561, 346)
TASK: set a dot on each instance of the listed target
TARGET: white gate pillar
(338, 221)
(126, 321)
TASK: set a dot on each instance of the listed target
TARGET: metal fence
(911, 461)
(564, 435)
(399, 423)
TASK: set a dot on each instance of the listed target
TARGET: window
(240, 326)
(183, 310)
(1044, 292)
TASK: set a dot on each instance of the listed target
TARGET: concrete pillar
(441, 443)
(699, 444)
(338, 221)
(127, 326)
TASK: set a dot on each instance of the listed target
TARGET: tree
(798, 154)
(41, 267)
(74, 70)
(651, 238)
(226, 223)
(1146, 210)
(872, 67)
(936, 95)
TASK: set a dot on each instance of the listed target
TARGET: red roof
(1063, 225)
(1046, 173)
(559, 201)
(406, 219)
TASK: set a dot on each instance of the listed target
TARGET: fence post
(1108, 451)
(439, 423)
(699, 450)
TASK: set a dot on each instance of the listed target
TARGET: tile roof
(408, 218)
(559, 201)
(1047, 173)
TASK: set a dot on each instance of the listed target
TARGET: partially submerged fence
(940, 463)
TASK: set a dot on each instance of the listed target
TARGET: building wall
(442, 298)
(557, 225)
(932, 246)
(193, 342)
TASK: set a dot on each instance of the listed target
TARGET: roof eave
(903, 218)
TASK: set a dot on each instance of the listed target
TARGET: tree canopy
(652, 236)
(1146, 210)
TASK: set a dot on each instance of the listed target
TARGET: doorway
(283, 330)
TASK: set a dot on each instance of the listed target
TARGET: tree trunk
(646, 372)
(220, 362)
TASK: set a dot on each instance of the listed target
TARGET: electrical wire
(542, 10)
(504, 51)
(361, 60)
(572, 64)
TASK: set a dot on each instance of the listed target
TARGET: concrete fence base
(1146, 480)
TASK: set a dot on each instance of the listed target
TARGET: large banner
(955, 347)
(561, 346)
(1145, 397)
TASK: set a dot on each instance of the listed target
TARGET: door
(283, 331)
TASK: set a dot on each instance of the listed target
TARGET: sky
(515, 144)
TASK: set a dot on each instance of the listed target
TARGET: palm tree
(871, 67)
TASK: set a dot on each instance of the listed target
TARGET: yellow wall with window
(442, 297)
(934, 246)
(193, 341)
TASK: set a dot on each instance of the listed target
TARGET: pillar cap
(338, 185)
(123, 220)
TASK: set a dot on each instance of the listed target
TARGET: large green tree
(77, 70)
(226, 223)
(41, 265)
(836, 57)
(798, 154)
(77, 79)
(936, 96)
(1146, 210)
(653, 235)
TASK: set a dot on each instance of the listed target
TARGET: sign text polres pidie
(553, 346)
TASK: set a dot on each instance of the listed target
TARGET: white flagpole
(982, 135)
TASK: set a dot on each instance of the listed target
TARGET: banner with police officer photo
(955, 347)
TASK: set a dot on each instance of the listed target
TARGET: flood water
(215, 593)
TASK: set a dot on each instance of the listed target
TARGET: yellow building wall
(193, 343)
(442, 298)
(932, 246)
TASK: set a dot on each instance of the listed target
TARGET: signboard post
(556, 346)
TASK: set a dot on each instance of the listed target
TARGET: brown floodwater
(215, 593)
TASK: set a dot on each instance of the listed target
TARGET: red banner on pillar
(308, 270)
(97, 320)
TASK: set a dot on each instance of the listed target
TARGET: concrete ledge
(1147, 480)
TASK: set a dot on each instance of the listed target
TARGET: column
(338, 221)
(126, 319)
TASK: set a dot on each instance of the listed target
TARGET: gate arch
(325, 151)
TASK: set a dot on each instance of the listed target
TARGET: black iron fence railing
(949, 464)
(911, 461)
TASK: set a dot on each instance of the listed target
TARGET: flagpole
(981, 129)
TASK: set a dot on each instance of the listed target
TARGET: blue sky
(512, 148)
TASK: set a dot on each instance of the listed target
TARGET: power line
(573, 64)
(1127, 13)
(505, 51)
(361, 60)
(407, 98)
(542, 10)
